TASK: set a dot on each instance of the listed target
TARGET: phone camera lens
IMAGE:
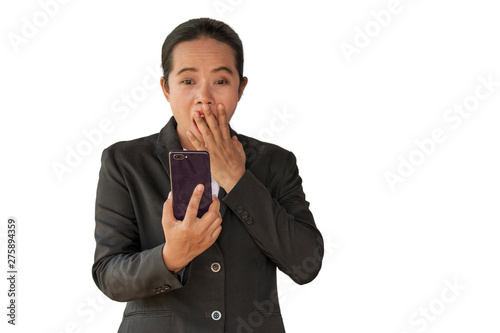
(178, 156)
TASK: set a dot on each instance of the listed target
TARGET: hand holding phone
(187, 170)
(189, 231)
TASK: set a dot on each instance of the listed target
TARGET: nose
(204, 95)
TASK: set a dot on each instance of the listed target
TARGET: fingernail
(169, 195)
(199, 188)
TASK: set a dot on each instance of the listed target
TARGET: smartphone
(189, 168)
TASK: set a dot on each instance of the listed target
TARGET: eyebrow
(192, 69)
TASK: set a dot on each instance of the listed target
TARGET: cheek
(230, 113)
(179, 102)
(230, 106)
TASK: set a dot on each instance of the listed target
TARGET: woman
(216, 273)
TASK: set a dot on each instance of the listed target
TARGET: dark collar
(168, 136)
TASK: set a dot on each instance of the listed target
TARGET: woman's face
(203, 72)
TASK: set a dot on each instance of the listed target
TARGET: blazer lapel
(167, 141)
(223, 206)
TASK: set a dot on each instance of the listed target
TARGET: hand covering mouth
(202, 115)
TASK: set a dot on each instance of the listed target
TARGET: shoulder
(264, 155)
(261, 147)
(132, 149)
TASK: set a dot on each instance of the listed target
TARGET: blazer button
(215, 267)
(249, 220)
(239, 209)
(216, 315)
(244, 215)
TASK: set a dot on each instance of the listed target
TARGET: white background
(391, 254)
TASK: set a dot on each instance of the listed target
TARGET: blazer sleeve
(278, 218)
(122, 270)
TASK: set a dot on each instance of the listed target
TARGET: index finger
(194, 203)
(212, 122)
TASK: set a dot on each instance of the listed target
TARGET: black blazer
(231, 287)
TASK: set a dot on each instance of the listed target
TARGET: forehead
(201, 53)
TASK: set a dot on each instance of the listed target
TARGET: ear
(243, 84)
(164, 88)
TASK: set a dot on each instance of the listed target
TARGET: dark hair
(199, 28)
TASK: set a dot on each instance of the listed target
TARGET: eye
(187, 82)
(221, 82)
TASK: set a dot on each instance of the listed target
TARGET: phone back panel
(187, 170)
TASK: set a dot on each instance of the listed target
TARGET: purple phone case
(187, 170)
